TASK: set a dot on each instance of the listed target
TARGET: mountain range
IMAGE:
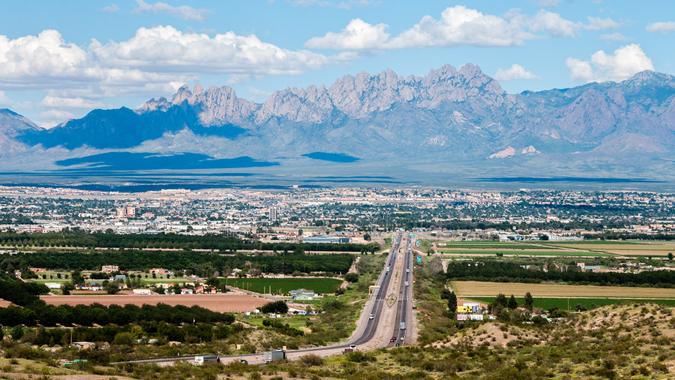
(448, 122)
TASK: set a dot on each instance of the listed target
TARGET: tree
(452, 303)
(529, 301)
(67, 288)
(352, 277)
(123, 338)
(513, 304)
(500, 300)
(366, 237)
(112, 288)
(670, 256)
(278, 307)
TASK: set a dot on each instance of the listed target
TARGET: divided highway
(404, 309)
(378, 326)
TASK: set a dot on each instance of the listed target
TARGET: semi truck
(274, 356)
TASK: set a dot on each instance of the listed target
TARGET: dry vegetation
(481, 288)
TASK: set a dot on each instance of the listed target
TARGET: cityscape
(337, 189)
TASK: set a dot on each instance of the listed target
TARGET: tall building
(273, 214)
(131, 211)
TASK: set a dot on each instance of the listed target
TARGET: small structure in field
(302, 295)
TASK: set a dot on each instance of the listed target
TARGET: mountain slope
(449, 115)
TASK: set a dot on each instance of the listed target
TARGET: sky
(60, 59)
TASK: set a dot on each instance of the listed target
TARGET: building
(326, 240)
(125, 212)
(142, 292)
(302, 295)
(273, 214)
(469, 311)
(110, 268)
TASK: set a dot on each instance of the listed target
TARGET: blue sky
(60, 59)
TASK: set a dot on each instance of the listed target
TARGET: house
(159, 271)
(110, 268)
(84, 345)
(53, 285)
(142, 292)
(120, 278)
(302, 295)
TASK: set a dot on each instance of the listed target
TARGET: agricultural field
(570, 303)
(52, 276)
(621, 248)
(284, 285)
(523, 252)
(467, 289)
(215, 302)
(583, 248)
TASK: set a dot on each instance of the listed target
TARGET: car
(392, 340)
(371, 317)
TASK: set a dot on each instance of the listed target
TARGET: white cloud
(112, 8)
(154, 59)
(596, 23)
(613, 37)
(51, 118)
(623, 63)
(463, 26)
(4, 99)
(458, 25)
(183, 11)
(345, 4)
(70, 102)
(661, 27)
(553, 23)
(358, 34)
(547, 3)
(166, 49)
(514, 72)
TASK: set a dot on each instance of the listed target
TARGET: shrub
(279, 307)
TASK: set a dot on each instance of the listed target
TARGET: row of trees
(512, 272)
(223, 243)
(194, 262)
(88, 315)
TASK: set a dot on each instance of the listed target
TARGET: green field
(487, 244)
(284, 285)
(173, 280)
(588, 303)
(523, 253)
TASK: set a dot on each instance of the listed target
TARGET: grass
(468, 289)
(284, 285)
(571, 303)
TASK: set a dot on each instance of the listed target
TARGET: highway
(404, 309)
(370, 333)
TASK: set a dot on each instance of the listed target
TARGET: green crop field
(284, 285)
(486, 244)
(571, 303)
(522, 252)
